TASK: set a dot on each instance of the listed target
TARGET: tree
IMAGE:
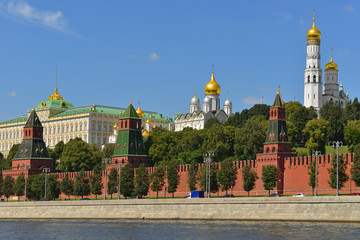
(108, 150)
(7, 188)
(81, 185)
(160, 147)
(214, 185)
(172, 176)
(127, 180)
(270, 174)
(78, 155)
(19, 186)
(112, 183)
(12, 153)
(2, 162)
(216, 140)
(67, 186)
(331, 112)
(157, 180)
(312, 175)
(212, 121)
(316, 130)
(249, 139)
(142, 181)
(37, 186)
(355, 168)
(351, 110)
(352, 134)
(238, 120)
(52, 187)
(249, 178)
(55, 153)
(1, 182)
(192, 176)
(343, 177)
(227, 174)
(96, 181)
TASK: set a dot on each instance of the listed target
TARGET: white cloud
(12, 94)
(252, 100)
(349, 8)
(21, 9)
(263, 88)
(154, 57)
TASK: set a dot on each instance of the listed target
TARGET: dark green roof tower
(129, 146)
(32, 150)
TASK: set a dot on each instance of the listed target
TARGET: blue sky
(157, 52)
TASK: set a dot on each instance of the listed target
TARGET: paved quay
(336, 209)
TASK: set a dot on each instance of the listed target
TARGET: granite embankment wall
(330, 208)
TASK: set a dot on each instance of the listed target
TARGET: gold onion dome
(212, 87)
(115, 127)
(55, 96)
(331, 65)
(148, 121)
(139, 112)
(313, 32)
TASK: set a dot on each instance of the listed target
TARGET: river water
(146, 229)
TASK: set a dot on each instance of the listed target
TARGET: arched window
(273, 149)
(314, 96)
(314, 78)
(308, 78)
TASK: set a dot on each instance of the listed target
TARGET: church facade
(197, 117)
(315, 93)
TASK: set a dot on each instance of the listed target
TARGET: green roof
(277, 101)
(32, 148)
(33, 120)
(16, 120)
(55, 104)
(130, 112)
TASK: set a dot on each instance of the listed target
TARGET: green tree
(249, 177)
(352, 110)
(312, 175)
(142, 181)
(52, 187)
(172, 177)
(212, 121)
(343, 177)
(19, 186)
(249, 140)
(108, 150)
(67, 186)
(331, 112)
(352, 134)
(113, 181)
(192, 176)
(216, 140)
(238, 120)
(214, 185)
(227, 175)
(157, 180)
(127, 180)
(12, 153)
(2, 162)
(96, 181)
(81, 185)
(270, 174)
(316, 130)
(55, 153)
(36, 185)
(7, 187)
(160, 147)
(355, 168)
(1, 182)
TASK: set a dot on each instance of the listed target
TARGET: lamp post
(105, 161)
(46, 171)
(207, 162)
(279, 187)
(165, 190)
(119, 180)
(232, 184)
(26, 166)
(316, 154)
(336, 145)
(350, 185)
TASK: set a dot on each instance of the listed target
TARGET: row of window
(11, 135)
(62, 129)
(314, 78)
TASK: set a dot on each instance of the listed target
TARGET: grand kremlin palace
(62, 122)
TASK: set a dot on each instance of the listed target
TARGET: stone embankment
(337, 209)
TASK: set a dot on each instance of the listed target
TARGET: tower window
(308, 78)
(308, 96)
(314, 78)
(314, 96)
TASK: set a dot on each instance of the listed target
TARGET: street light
(279, 192)
(165, 190)
(26, 166)
(350, 185)
(336, 145)
(207, 162)
(105, 161)
(316, 154)
(46, 171)
(119, 180)
(232, 184)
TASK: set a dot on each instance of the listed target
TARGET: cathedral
(197, 118)
(315, 93)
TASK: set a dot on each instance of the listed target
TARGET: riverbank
(324, 209)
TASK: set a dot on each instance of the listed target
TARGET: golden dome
(154, 126)
(139, 112)
(313, 32)
(331, 65)
(148, 121)
(55, 96)
(212, 87)
(115, 127)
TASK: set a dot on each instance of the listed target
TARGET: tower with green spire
(129, 146)
(32, 150)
